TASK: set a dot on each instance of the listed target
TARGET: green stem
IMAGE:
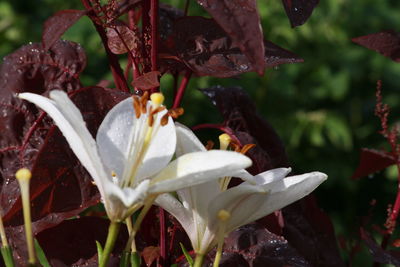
(198, 262)
(111, 238)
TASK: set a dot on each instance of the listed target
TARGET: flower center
(144, 128)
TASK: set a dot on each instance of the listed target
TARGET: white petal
(176, 209)
(122, 200)
(187, 141)
(114, 139)
(196, 168)
(271, 176)
(241, 201)
(69, 120)
(280, 194)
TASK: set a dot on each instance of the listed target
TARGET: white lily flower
(199, 208)
(130, 159)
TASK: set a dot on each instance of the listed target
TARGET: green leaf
(6, 252)
(187, 255)
(41, 255)
(99, 251)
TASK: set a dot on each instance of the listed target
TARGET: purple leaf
(60, 186)
(378, 253)
(121, 39)
(206, 49)
(298, 11)
(55, 26)
(372, 161)
(240, 20)
(310, 231)
(147, 81)
(386, 43)
(71, 243)
(240, 114)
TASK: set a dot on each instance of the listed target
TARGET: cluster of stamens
(140, 107)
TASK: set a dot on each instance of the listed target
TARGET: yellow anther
(113, 174)
(157, 99)
(223, 215)
(23, 174)
(224, 141)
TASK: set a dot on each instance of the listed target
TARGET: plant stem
(116, 70)
(198, 262)
(154, 6)
(182, 89)
(163, 238)
(138, 222)
(111, 238)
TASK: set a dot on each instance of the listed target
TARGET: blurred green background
(323, 109)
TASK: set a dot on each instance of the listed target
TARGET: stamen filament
(223, 217)
(23, 176)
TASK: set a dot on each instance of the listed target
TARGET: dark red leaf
(168, 62)
(372, 161)
(150, 254)
(240, 20)
(298, 11)
(60, 186)
(240, 114)
(206, 49)
(121, 39)
(124, 6)
(73, 242)
(380, 255)
(55, 26)
(253, 245)
(386, 43)
(147, 80)
(259, 247)
(310, 231)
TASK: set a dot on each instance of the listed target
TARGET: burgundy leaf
(32, 69)
(206, 49)
(309, 230)
(73, 242)
(252, 245)
(259, 247)
(240, 114)
(147, 80)
(121, 39)
(60, 186)
(150, 254)
(378, 253)
(168, 62)
(55, 26)
(372, 161)
(240, 20)
(298, 11)
(124, 6)
(386, 43)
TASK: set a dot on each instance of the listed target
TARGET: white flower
(130, 159)
(198, 207)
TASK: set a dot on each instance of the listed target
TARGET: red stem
(154, 5)
(163, 238)
(146, 33)
(181, 89)
(119, 78)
